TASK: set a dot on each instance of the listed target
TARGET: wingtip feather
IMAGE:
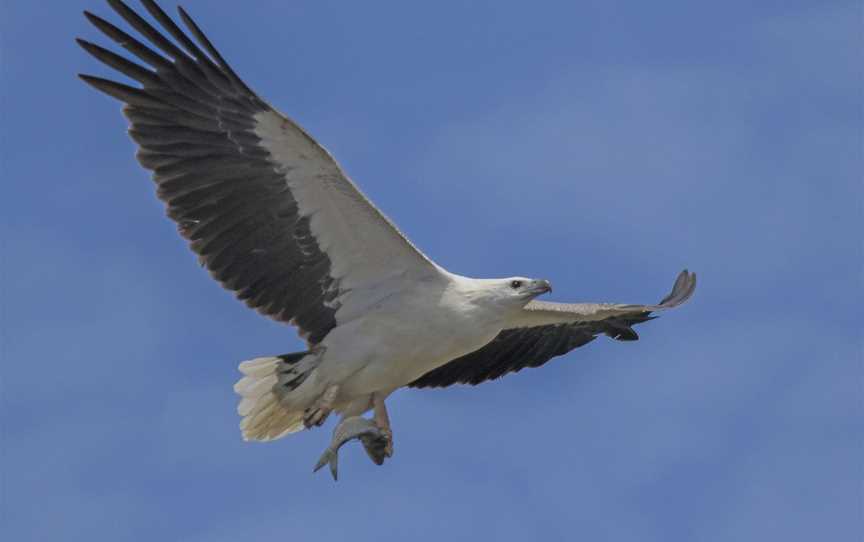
(682, 290)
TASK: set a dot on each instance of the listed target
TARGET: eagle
(274, 219)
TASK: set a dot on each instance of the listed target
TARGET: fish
(354, 427)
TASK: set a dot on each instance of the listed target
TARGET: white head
(511, 293)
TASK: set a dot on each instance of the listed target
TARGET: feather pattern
(269, 212)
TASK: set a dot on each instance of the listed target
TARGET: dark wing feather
(193, 120)
(514, 349)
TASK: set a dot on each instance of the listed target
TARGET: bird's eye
(515, 284)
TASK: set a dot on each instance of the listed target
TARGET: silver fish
(357, 427)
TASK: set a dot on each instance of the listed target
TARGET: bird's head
(510, 293)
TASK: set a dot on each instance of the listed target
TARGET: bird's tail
(266, 384)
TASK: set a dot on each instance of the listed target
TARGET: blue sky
(603, 145)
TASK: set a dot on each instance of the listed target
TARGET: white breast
(405, 337)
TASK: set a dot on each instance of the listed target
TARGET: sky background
(602, 145)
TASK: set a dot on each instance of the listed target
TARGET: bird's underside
(275, 220)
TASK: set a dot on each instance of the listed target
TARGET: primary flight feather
(274, 219)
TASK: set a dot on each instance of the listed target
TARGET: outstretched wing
(269, 212)
(549, 330)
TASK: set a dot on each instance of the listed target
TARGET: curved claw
(378, 447)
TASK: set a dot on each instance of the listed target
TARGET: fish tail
(330, 456)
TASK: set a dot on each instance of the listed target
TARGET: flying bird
(274, 219)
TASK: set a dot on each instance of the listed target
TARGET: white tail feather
(259, 370)
(263, 390)
(249, 386)
(246, 405)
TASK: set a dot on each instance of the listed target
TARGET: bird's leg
(317, 414)
(382, 420)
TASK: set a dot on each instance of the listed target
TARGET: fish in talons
(355, 427)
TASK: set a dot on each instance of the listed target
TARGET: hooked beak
(541, 287)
